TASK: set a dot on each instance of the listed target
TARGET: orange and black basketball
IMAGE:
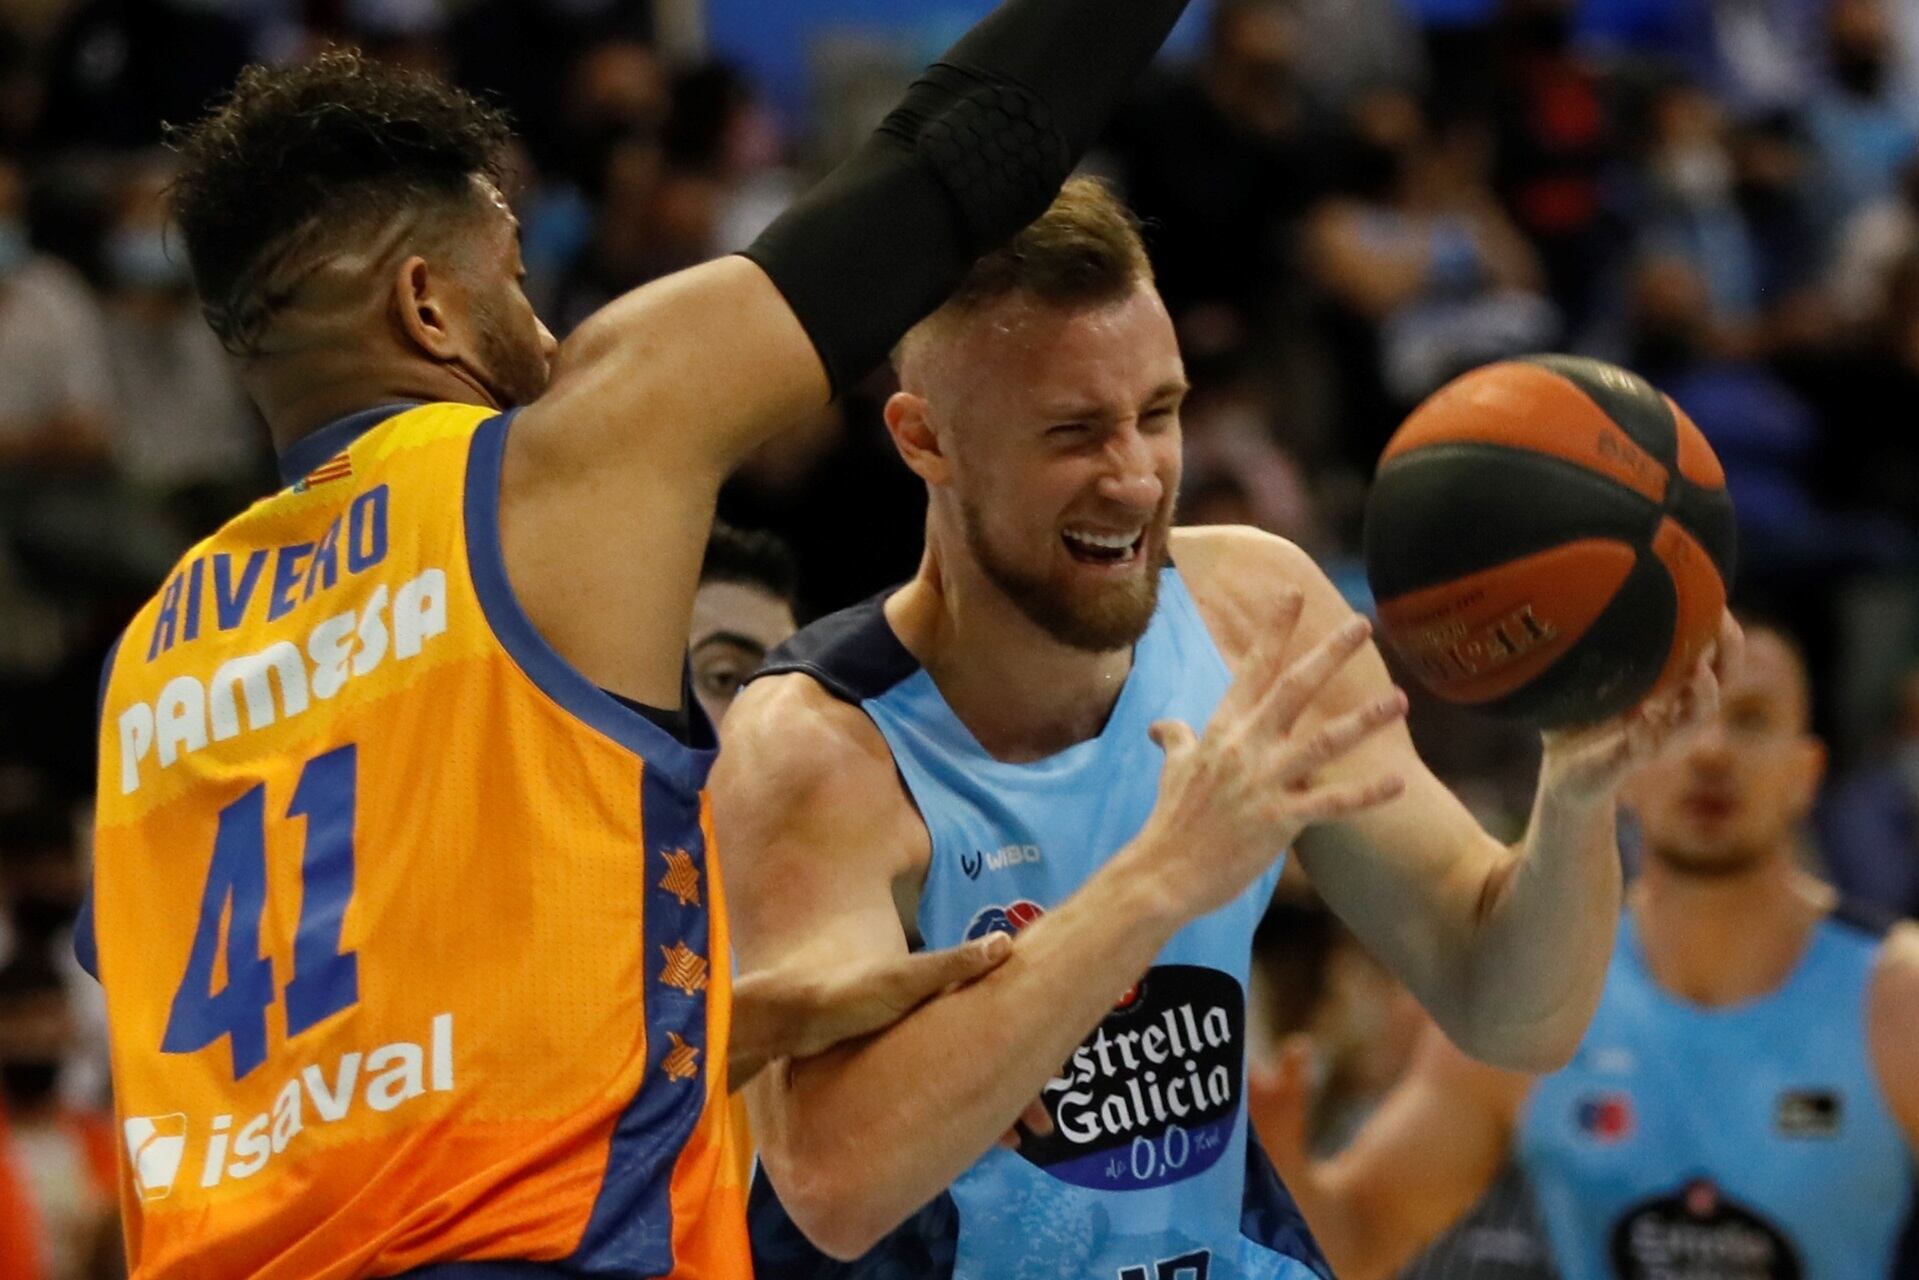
(1549, 539)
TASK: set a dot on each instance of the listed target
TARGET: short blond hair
(1084, 250)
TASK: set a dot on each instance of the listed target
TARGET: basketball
(1549, 540)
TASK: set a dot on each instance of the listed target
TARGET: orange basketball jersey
(412, 944)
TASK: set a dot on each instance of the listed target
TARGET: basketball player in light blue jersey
(1745, 1105)
(1009, 743)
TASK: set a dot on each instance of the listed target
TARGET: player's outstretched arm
(1421, 1160)
(808, 1007)
(818, 835)
(609, 478)
(1894, 1025)
(1505, 946)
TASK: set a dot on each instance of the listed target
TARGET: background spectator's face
(1860, 33)
(1689, 144)
(1671, 316)
(144, 251)
(1059, 425)
(36, 1035)
(1729, 797)
(1252, 68)
(735, 625)
(620, 83)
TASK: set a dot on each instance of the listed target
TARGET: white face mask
(1701, 172)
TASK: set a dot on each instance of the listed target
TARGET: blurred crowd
(1348, 201)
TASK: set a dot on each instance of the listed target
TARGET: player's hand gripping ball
(1549, 540)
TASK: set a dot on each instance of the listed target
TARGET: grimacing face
(1728, 797)
(1060, 427)
(735, 625)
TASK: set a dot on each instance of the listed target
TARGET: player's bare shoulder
(801, 765)
(1894, 1013)
(1233, 572)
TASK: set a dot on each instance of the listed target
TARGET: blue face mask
(14, 246)
(139, 259)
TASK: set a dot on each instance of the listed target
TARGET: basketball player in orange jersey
(1745, 1104)
(412, 940)
(975, 753)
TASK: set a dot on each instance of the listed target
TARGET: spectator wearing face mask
(55, 397)
(1423, 254)
(62, 1155)
(1856, 119)
(42, 883)
(184, 434)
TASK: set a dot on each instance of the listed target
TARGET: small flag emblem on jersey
(682, 878)
(685, 968)
(680, 1062)
(338, 467)
(1605, 1116)
(155, 1145)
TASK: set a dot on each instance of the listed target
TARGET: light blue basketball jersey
(1149, 1174)
(1751, 1142)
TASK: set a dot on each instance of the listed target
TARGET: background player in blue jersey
(1746, 1104)
(972, 754)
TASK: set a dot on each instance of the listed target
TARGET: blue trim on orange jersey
(557, 678)
(86, 945)
(490, 1271)
(304, 455)
(631, 1228)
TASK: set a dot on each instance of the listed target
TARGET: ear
(421, 308)
(909, 423)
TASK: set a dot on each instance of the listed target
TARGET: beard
(1098, 620)
(513, 366)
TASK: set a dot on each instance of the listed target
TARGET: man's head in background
(37, 1034)
(749, 589)
(1730, 797)
(42, 882)
(344, 216)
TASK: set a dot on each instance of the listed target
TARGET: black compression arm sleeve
(976, 150)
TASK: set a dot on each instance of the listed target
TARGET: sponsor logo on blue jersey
(1809, 1113)
(1698, 1231)
(1605, 1117)
(1150, 1098)
(1012, 855)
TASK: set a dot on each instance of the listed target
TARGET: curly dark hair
(297, 157)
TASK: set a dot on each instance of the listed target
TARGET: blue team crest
(1007, 919)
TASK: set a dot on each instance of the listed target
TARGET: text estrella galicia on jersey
(1151, 1097)
(1697, 1230)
